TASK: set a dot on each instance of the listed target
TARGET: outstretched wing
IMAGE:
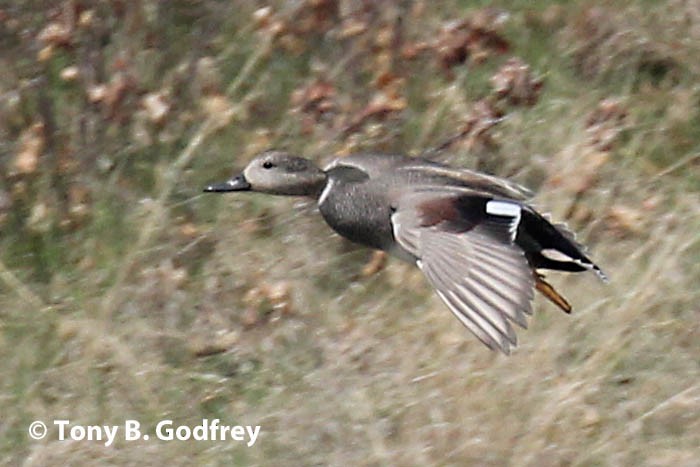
(464, 246)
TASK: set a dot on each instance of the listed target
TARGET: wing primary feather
(473, 314)
(485, 248)
(442, 288)
(486, 317)
(505, 256)
(491, 313)
(496, 315)
(471, 326)
(523, 290)
(511, 309)
(517, 281)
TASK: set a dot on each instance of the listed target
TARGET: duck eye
(268, 165)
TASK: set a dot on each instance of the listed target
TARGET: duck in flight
(474, 236)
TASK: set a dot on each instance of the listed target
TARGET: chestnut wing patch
(456, 214)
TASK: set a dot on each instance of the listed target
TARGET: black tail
(550, 246)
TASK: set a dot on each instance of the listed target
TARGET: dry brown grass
(157, 302)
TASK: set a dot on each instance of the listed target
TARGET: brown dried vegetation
(126, 291)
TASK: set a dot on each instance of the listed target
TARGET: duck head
(276, 173)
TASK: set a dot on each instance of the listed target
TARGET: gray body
(358, 207)
(473, 235)
(363, 191)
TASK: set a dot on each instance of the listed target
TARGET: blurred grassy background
(125, 293)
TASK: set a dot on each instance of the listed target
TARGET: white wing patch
(503, 208)
(506, 209)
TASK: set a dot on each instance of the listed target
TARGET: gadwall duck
(473, 235)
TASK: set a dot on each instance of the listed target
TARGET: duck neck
(315, 188)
